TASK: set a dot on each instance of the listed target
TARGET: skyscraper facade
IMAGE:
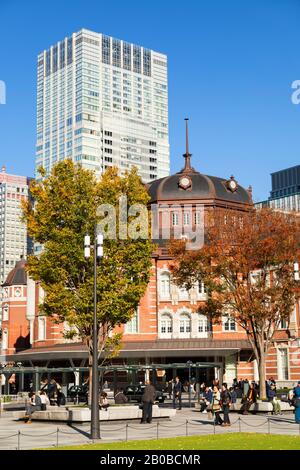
(103, 102)
(285, 193)
(13, 233)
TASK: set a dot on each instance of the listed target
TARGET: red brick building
(166, 328)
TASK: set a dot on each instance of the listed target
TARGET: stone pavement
(18, 435)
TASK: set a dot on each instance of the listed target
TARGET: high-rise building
(285, 193)
(14, 242)
(103, 102)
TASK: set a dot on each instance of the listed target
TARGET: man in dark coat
(177, 391)
(148, 400)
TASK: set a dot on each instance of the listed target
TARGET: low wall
(259, 407)
(81, 415)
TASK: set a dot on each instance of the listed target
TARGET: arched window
(184, 323)
(166, 324)
(165, 285)
(204, 324)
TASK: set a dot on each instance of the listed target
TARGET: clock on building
(185, 182)
(232, 184)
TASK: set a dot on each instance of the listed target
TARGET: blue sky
(231, 65)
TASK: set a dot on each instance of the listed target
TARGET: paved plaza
(18, 435)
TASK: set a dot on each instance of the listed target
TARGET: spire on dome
(187, 155)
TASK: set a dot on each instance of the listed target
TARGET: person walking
(296, 402)
(225, 402)
(177, 392)
(148, 400)
(216, 408)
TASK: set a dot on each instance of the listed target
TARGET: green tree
(66, 208)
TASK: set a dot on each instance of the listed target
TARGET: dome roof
(17, 276)
(191, 185)
(202, 187)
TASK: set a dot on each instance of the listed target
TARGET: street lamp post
(190, 363)
(98, 253)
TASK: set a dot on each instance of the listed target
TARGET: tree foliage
(247, 265)
(66, 208)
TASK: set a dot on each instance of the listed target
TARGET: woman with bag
(215, 406)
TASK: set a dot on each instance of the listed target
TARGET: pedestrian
(216, 408)
(177, 392)
(248, 400)
(170, 388)
(103, 401)
(148, 400)
(206, 400)
(44, 400)
(225, 402)
(33, 404)
(52, 392)
(120, 398)
(271, 395)
(296, 402)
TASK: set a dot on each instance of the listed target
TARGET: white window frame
(203, 326)
(175, 219)
(166, 322)
(185, 323)
(132, 326)
(5, 312)
(280, 373)
(41, 332)
(5, 339)
(165, 285)
(230, 321)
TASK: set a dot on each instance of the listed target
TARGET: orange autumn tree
(247, 265)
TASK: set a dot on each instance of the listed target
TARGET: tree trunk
(261, 362)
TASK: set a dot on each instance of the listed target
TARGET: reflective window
(126, 56)
(116, 52)
(147, 62)
(106, 49)
(137, 59)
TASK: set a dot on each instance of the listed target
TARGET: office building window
(137, 59)
(126, 56)
(106, 49)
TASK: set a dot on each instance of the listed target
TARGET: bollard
(186, 426)
(240, 426)
(214, 427)
(19, 440)
(157, 431)
(57, 431)
(126, 432)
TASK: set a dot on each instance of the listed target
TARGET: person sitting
(120, 398)
(44, 400)
(248, 400)
(61, 398)
(206, 400)
(103, 402)
(33, 404)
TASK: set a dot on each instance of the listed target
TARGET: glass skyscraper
(103, 102)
